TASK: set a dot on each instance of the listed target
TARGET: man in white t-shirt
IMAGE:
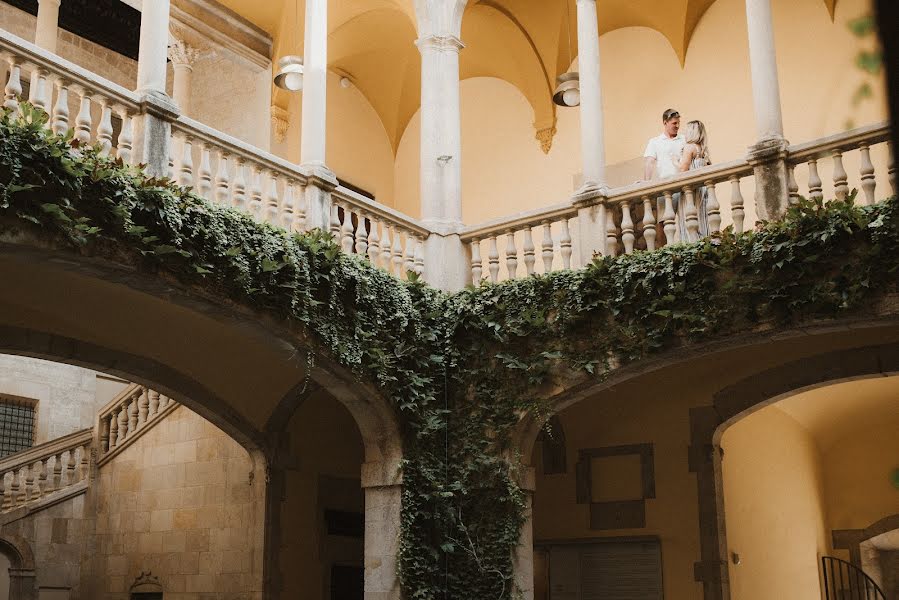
(664, 151)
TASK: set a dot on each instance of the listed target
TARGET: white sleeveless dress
(701, 198)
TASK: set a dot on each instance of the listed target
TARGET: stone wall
(182, 502)
(67, 397)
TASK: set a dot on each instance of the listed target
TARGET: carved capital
(441, 43)
(280, 122)
(183, 51)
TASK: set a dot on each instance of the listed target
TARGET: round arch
(21, 570)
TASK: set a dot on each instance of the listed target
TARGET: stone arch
(21, 571)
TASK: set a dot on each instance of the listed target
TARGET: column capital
(441, 43)
(439, 17)
(55, 3)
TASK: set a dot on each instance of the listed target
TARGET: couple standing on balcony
(671, 153)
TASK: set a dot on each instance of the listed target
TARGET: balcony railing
(642, 216)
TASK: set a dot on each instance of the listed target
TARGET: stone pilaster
(382, 484)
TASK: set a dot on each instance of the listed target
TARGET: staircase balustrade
(130, 413)
(845, 581)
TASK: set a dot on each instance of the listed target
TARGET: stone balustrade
(642, 216)
(46, 469)
(130, 413)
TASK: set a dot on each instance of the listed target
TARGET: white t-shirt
(665, 150)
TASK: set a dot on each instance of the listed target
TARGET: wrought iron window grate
(16, 426)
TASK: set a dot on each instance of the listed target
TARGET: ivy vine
(461, 369)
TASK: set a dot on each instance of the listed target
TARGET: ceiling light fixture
(568, 89)
(290, 67)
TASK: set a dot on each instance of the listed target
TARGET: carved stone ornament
(146, 582)
(280, 122)
(545, 137)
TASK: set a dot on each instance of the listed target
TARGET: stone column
(592, 135)
(524, 553)
(439, 31)
(382, 485)
(768, 154)
(152, 127)
(47, 24)
(320, 180)
(183, 57)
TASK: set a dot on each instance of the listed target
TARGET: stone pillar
(320, 180)
(592, 134)
(152, 127)
(768, 154)
(382, 484)
(591, 223)
(524, 554)
(22, 584)
(47, 24)
(439, 31)
(183, 57)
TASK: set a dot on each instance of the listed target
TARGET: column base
(591, 221)
(446, 262)
(772, 195)
(320, 182)
(153, 132)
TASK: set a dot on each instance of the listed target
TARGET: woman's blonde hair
(694, 133)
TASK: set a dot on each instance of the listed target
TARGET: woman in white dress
(695, 155)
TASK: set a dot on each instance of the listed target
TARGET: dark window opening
(16, 425)
(146, 595)
(344, 523)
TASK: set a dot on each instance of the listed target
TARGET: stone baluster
(397, 252)
(511, 255)
(104, 435)
(736, 204)
(529, 251)
(186, 167)
(361, 247)
(170, 168)
(239, 190)
(152, 403)
(419, 256)
(668, 219)
(792, 185)
(866, 170)
(493, 259)
(29, 490)
(627, 228)
(611, 232)
(287, 215)
(83, 120)
(204, 173)
(84, 462)
(546, 247)
(41, 484)
(335, 221)
(477, 267)
(256, 192)
(56, 482)
(346, 230)
(815, 185)
(300, 208)
(272, 202)
(113, 430)
(132, 414)
(385, 249)
(39, 95)
(125, 143)
(143, 408)
(222, 185)
(60, 120)
(713, 208)
(840, 177)
(104, 128)
(3, 492)
(649, 223)
(892, 171)
(409, 254)
(15, 489)
(690, 217)
(13, 89)
(374, 244)
(70, 468)
(565, 245)
(123, 422)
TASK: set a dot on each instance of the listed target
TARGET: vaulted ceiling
(524, 42)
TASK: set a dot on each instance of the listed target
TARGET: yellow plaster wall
(857, 486)
(504, 170)
(774, 507)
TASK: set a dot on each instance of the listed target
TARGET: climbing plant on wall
(461, 369)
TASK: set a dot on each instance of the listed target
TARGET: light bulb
(571, 97)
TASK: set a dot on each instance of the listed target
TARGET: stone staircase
(50, 473)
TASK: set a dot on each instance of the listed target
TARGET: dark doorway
(347, 583)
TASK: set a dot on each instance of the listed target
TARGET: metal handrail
(845, 581)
